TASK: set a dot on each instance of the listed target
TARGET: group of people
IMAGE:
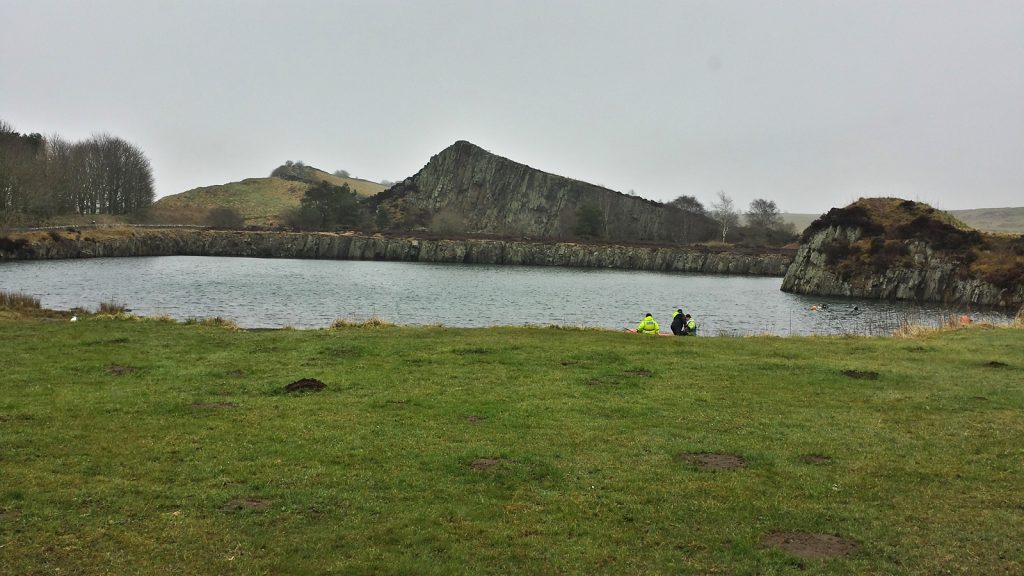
(682, 324)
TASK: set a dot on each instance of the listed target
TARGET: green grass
(145, 447)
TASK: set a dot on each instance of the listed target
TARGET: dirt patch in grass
(569, 362)
(118, 370)
(713, 461)
(860, 375)
(979, 398)
(639, 372)
(305, 385)
(122, 340)
(236, 374)
(474, 419)
(811, 546)
(248, 503)
(997, 364)
(214, 405)
(815, 459)
(9, 515)
(484, 464)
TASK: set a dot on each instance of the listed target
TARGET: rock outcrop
(170, 242)
(901, 250)
(480, 192)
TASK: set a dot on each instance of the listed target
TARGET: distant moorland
(1009, 220)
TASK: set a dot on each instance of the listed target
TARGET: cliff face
(855, 253)
(490, 194)
(352, 247)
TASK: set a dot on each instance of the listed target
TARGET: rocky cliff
(895, 249)
(168, 242)
(483, 193)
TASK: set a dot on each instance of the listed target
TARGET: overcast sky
(809, 103)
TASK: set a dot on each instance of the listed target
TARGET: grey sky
(809, 103)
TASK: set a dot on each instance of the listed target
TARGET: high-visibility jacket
(691, 326)
(647, 326)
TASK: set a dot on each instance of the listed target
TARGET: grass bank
(149, 447)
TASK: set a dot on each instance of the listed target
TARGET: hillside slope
(1009, 220)
(260, 201)
(481, 192)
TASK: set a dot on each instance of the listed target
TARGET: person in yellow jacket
(691, 326)
(647, 326)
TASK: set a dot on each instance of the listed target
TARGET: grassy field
(149, 447)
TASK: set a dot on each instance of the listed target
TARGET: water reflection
(269, 293)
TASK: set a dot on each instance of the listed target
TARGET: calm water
(268, 293)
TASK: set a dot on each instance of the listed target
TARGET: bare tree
(41, 177)
(722, 210)
(116, 177)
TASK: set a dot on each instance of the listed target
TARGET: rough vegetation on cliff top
(889, 226)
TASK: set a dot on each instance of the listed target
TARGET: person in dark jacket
(678, 322)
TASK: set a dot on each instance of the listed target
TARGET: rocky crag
(887, 248)
(471, 189)
(170, 242)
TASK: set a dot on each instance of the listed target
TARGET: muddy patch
(305, 385)
(860, 375)
(9, 515)
(118, 370)
(815, 459)
(569, 362)
(214, 405)
(249, 503)
(997, 364)
(811, 546)
(638, 372)
(713, 461)
(485, 464)
(108, 341)
(474, 419)
(611, 380)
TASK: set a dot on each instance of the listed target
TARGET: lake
(273, 293)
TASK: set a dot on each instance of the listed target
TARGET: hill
(261, 201)
(465, 188)
(900, 249)
(1010, 220)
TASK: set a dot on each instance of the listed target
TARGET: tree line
(762, 222)
(43, 176)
